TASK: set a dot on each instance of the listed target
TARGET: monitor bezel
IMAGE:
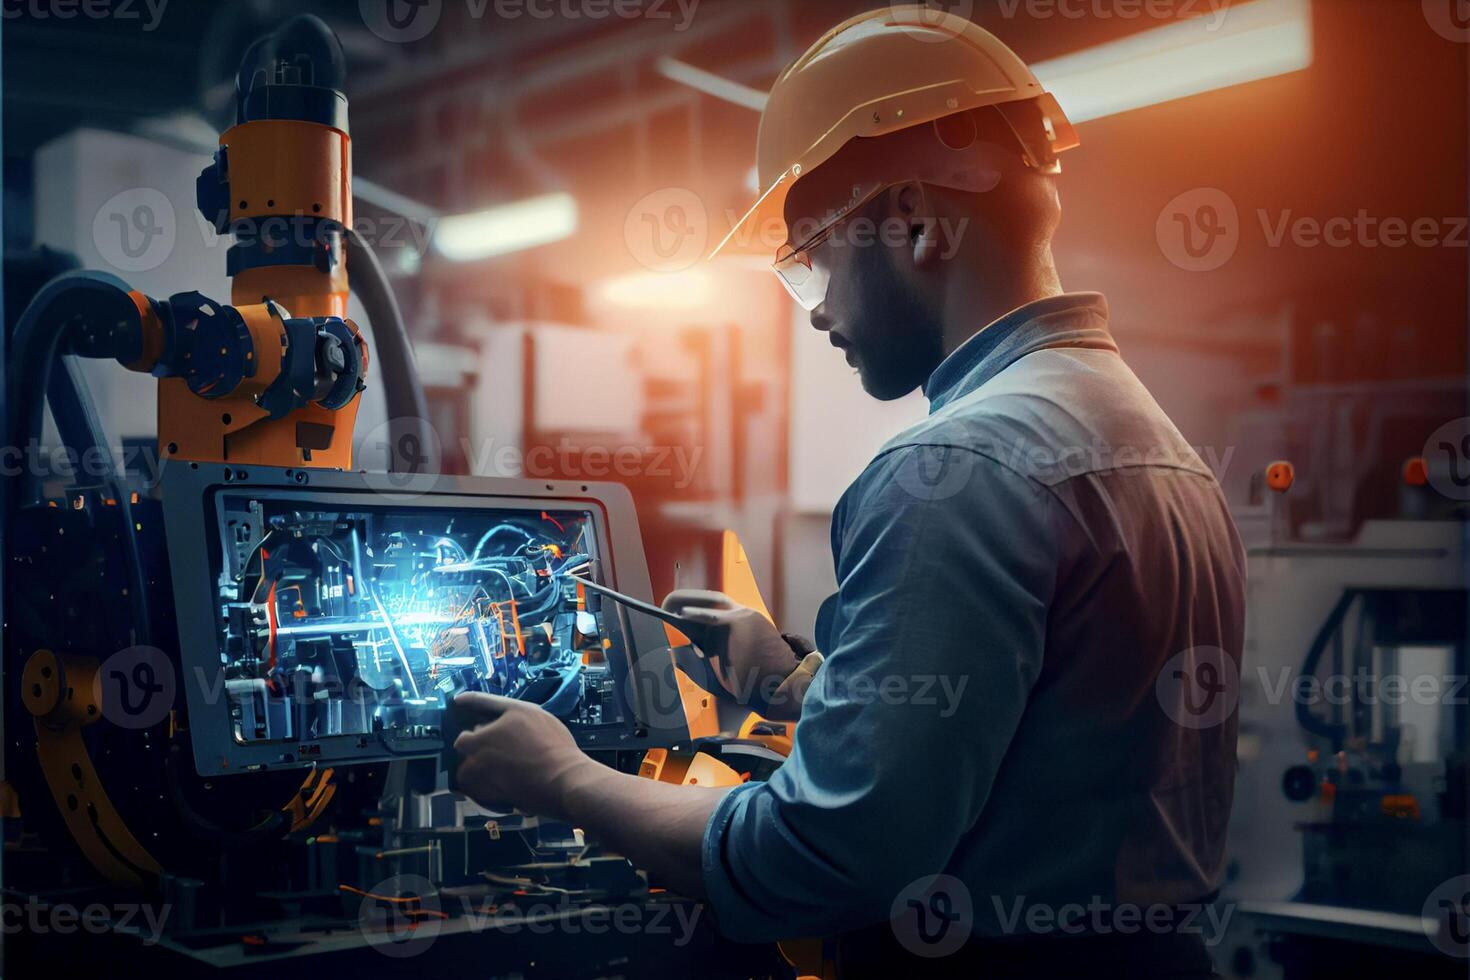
(192, 495)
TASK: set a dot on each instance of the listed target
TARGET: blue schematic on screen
(365, 620)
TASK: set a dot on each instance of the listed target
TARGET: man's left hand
(518, 755)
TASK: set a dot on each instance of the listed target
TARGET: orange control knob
(1416, 471)
(1280, 475)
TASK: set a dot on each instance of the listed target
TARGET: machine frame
(191, 495)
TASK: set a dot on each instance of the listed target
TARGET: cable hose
(71, 297)
(404, 393)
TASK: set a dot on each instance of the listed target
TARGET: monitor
(328, 617)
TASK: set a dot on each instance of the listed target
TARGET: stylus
(698, 632)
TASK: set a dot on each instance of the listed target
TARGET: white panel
(586, 381)
(125, 205)
(498, 423)
(836, 427)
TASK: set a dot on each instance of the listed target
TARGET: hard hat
(881, 72)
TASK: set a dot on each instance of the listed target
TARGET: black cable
(273, 825)
(41, 337)
(1329, 630)
(73, 410)
(402, 389)
(71, 300)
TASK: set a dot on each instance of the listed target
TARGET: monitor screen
(355, 620)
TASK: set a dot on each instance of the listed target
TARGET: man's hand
(750, 656)
(518, 755)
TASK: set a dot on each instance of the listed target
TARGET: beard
(898, 340)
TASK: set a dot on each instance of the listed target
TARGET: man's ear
(911, 206)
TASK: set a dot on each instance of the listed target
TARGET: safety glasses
(805, 279)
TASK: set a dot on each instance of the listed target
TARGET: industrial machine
(226, 690)
(1350, 821)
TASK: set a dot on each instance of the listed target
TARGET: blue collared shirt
(1015, 574)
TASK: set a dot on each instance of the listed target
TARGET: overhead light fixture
(686, 290)
(711, 84)
(506, 228)
(1240, 43)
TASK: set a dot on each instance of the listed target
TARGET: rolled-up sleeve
(946, 565)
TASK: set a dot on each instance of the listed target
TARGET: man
(1044, 556)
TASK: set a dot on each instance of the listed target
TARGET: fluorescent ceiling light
(686, 290)
(506, 228)
(711, 84)
(1232, 46)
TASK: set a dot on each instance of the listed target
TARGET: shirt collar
(1067, 319)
